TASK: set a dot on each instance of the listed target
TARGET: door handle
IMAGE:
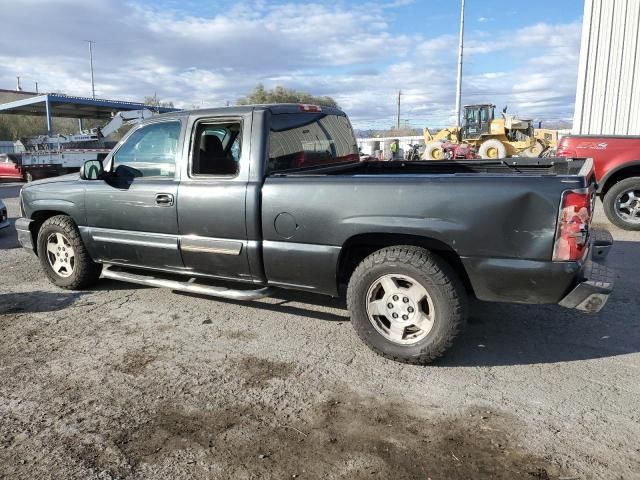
(164, 199)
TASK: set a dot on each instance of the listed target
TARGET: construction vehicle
(491, 137)
(50, 156)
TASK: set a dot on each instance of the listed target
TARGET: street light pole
(93, 88)
(460, 50)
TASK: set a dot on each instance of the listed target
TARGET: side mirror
(92, 170)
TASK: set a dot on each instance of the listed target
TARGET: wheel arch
(358, 247)
(626, 170)
(39, 217)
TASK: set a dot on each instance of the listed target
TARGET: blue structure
(65, 106)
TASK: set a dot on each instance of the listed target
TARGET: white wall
(608, 90)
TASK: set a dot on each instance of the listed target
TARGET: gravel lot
(126, 382)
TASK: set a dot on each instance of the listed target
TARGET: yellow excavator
(491, 137)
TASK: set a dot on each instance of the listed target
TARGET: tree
(156, 102)
(284, 95)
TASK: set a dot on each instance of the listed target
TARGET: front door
(212, 199)
(131, 214)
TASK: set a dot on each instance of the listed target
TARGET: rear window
(298, 140)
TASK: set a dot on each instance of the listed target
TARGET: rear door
(212, 198)
(131, 215)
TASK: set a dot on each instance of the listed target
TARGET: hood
(70, 177)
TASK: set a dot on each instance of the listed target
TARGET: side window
(216, 149)
(150, 151)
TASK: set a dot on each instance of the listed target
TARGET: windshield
(298, 140)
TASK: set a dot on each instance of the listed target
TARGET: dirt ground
(130, 382)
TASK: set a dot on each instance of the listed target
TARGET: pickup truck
(617, 167)
(274, 196)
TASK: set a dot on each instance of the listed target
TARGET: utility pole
(398, 113)
(460, 49)
(36, 87)
(93, 87)
(18, 87)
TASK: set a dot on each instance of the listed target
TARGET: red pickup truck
(9, 169)
(617, 166)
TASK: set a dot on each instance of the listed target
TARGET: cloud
(351, 52)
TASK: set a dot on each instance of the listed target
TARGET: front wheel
(622, 204)
(492, 149)
(63, 255)
(406, 304)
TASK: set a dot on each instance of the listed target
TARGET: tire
(433, 151)
(492, 149)
(626, 191)
(536, 150)
(411, 269)
(63, 255)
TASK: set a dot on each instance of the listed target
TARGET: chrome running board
(187, 286)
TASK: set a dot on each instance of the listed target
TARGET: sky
(199, 53)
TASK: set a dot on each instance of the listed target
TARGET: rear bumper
(516, 280)
(593, 291)
(597, 280)
(24, 233)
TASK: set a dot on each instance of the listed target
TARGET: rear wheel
(406, 304)
(63, 255)
(433, 151)
(622, 204)
(534, 151)
(492, 149)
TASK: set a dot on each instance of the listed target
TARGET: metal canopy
(73, 107)
(56, 105)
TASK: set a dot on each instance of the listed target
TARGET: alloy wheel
(400, 309)
(60, 254)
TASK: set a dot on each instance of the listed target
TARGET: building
(608, 89)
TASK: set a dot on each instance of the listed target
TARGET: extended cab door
(131, 214)
(212, 198)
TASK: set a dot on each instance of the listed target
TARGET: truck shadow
(16, 303)
(10, 190)
(292, 302)
(507, 334)
(9, 236)
(510, 334)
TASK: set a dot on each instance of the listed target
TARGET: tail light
(572, 233)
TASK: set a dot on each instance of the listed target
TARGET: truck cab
(477, 120)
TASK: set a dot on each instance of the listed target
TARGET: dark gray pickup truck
(275, 196)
